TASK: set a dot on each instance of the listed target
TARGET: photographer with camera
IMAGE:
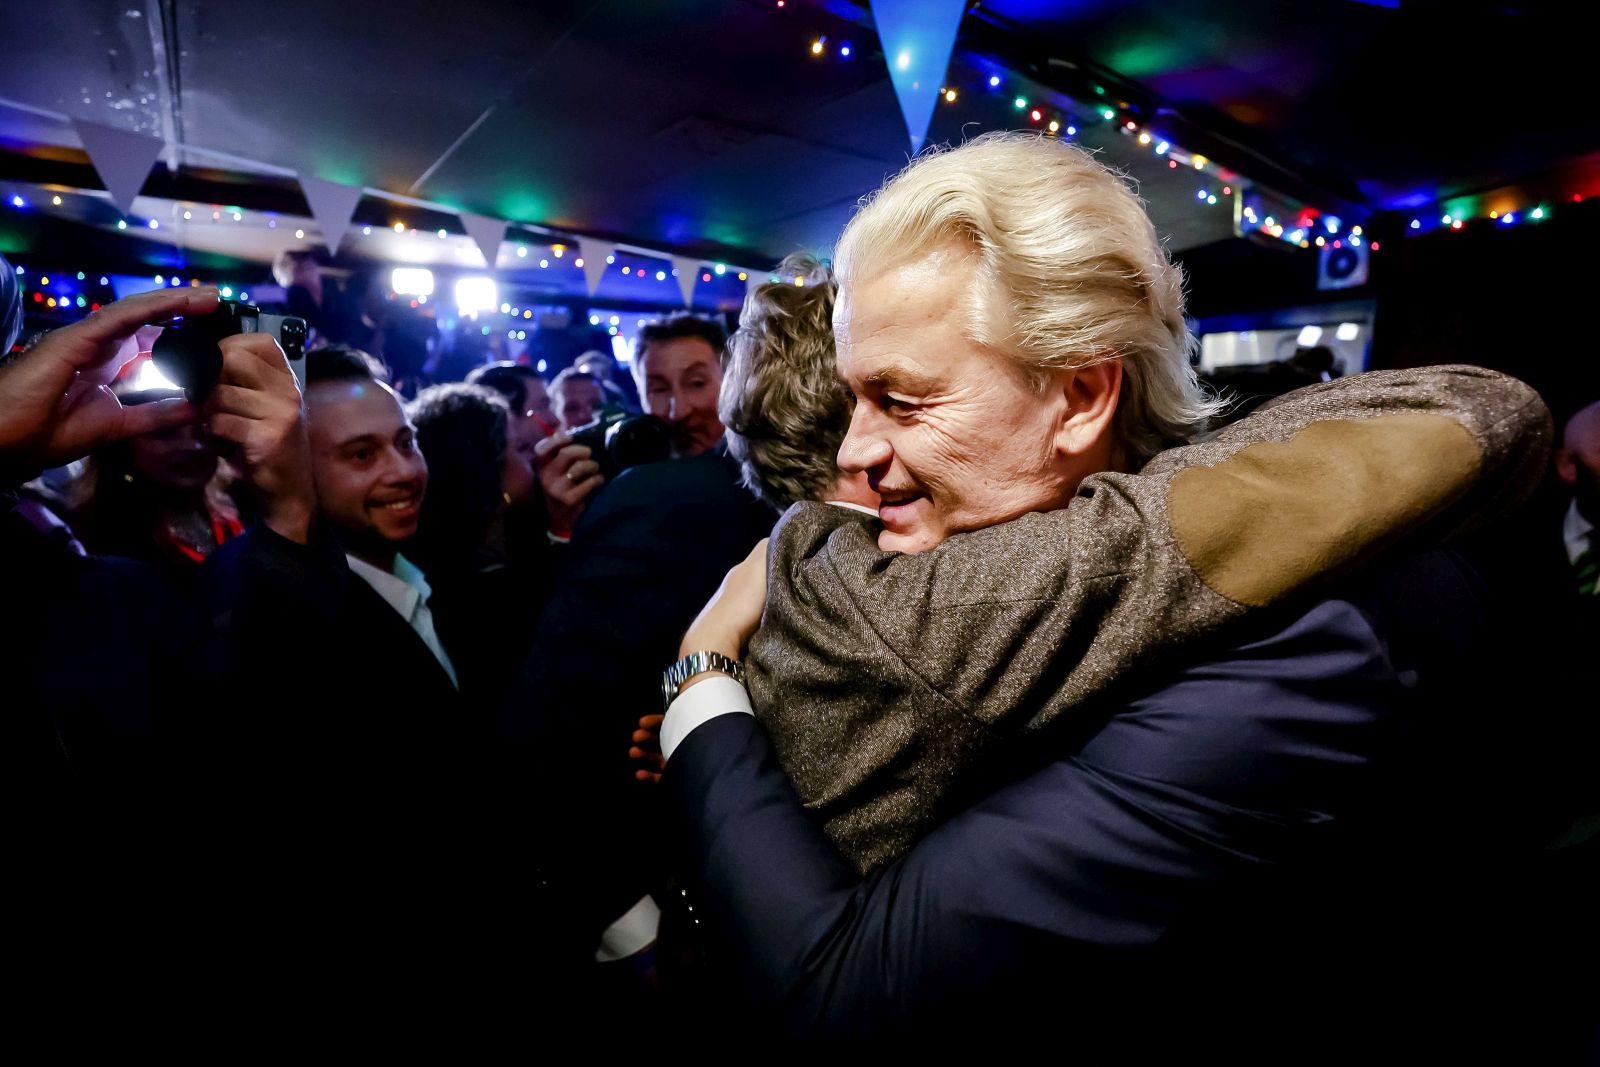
(106, 709)
(121, 686)
(678, 372)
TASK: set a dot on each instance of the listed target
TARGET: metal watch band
(694, 663)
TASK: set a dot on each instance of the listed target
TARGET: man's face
(1578, 459)
(579, 399)
(370, 477)
(180, 458)
(518, 481)
(536, 405)
(679, 381)
(952, 435)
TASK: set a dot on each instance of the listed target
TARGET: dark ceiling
(709, 127)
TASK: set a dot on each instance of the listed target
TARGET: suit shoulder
(674, 486)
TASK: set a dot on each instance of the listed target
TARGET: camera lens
(292, 336)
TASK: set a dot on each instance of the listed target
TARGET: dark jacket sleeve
(1234, 767)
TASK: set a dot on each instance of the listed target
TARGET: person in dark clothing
(328, 310)
(649, 549)
(479, 536)
(122, 687)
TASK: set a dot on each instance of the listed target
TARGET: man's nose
(403, 468)
(863, 446)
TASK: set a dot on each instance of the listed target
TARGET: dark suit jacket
(649, 552)
(1247, 856)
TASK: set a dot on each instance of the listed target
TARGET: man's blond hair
(1071, 271)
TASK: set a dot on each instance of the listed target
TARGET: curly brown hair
(784, 406)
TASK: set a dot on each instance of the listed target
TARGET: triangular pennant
(486, 233)
(332, 205)
(755, 279)
(122, 158)
(594, 259)
(688, 271)
(917, 36)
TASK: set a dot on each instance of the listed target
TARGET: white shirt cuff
(700, 703)
(634, 932)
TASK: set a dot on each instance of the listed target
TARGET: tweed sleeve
(1015, 623)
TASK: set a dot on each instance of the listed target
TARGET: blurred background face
(180, 459)
(519, 483)
(369, 475)
(598, 364)
(577, 401)
(1578, 459)
(536, 405)
(679, 382)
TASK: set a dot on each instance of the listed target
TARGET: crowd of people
(959, 665)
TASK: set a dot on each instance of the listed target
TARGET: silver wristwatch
(694, 663)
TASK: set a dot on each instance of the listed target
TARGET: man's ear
(1091, 393)
(1567, 465)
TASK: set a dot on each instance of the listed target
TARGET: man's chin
(395, 531)
(909, 542)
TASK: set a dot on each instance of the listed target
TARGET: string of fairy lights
(49, 289)
(1297, 224)
(1256, 209)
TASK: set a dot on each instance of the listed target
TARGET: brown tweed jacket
(884, 679)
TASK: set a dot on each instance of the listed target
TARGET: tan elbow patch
(1273, 516)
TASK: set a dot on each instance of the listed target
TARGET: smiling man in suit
(370, 477)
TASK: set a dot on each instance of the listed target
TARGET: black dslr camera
(619, 439)
(187, 351)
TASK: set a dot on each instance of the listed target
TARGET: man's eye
(362, 456)
(898, 408)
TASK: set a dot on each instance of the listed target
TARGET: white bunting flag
(122, 158)
(332, 205)
(688, 271)
(594, 259)
(486, 233)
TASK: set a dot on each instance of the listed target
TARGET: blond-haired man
(1012, 336)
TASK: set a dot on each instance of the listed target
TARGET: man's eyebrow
(359, 439)
(897, 376)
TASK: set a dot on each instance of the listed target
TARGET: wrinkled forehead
(922, 312)
(944, 285)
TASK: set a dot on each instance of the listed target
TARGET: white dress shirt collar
(407, 591)
(402, 588)
(1578, 532)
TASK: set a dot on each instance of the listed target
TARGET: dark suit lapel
(406, 652)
